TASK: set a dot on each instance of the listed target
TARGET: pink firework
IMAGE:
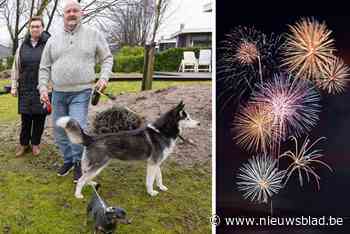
(294, 104)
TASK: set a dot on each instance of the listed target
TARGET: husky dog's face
(185, 120)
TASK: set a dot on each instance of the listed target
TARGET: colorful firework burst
(303, 159)
(308, 48)
(253, 128)
(246, 56)
(247, 53)
(334, 77)
(260, 179)
(294, 104)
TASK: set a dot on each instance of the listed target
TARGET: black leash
(186, 141)
(150, 126)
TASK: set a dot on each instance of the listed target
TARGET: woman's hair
(36, 18)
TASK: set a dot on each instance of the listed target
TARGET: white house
(4, 52)
(189, 36)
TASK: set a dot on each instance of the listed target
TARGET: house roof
(191, 30)
(208, 7)
(164, 41)
(4, 51)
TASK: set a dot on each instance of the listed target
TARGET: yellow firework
(253, 128)
(308, 48)
(247, 53)
(334, 77)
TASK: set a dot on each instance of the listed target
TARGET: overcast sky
(188, 12)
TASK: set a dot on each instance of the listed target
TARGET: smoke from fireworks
(334, 77)
(294, 104)
(308, 48)
(260, 179)
(303, 159)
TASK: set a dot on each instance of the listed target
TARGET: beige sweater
(69, 58)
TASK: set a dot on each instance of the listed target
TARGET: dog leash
(181, 137)
(108, 95)
(100, 199)
(186, 141)
(153, 128)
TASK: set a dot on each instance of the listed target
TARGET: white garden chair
(204, 61)
(189, 62)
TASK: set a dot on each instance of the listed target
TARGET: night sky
(334, 196)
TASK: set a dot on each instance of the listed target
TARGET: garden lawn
(34, 200)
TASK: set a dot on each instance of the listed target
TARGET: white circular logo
(215, 220)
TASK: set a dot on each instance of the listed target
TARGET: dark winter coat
(29, 60)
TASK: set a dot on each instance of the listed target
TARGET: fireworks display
(253, 128)
(237, 66)
(273, 80)
(294, 104)
(260, 179)
(303, 160)
(248, 55)
(308, 48)
(334, 77)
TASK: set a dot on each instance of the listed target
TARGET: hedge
(2, 67)
(131, 51)
(9, 62)
(130, 59)
(170, 59)
(6, 64)
(128, 63)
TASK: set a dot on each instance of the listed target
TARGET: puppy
(105, 218)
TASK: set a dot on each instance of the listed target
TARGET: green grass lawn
(8, 105)
(34, 200)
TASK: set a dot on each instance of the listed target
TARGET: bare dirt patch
(151, 104)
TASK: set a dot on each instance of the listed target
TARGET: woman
(24, 85)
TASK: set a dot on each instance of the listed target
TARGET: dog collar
(153, 128)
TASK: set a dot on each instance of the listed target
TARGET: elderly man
(68, 61)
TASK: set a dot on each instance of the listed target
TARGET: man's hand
(44, 96)
(101, 85)
(14, 92)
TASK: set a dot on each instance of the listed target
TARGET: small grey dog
(105, 218)
(152, 143)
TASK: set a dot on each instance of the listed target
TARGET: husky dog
(105, 218)
(153, 143)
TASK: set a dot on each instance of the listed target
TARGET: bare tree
(52, 14)
(93, 9)
(127, 24)
(161, 6)
(2, 3)
(17, 14)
